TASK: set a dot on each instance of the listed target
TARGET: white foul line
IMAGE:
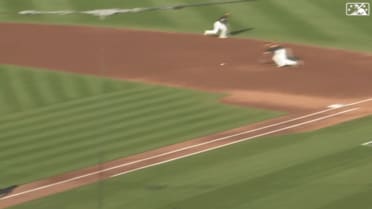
(336, 106)
(167, 153)
(358, 102)
(241, 140)
(218, 139)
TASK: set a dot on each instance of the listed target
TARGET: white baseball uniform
(280, 57)
(220, 28)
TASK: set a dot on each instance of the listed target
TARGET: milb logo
(357, 9)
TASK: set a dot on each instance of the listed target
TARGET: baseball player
(281, 56)
(220, 27)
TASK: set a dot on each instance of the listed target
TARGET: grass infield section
(306, 21)
(53, 122)
(326, 169)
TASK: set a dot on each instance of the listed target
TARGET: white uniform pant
(280, 58)
(219, 29)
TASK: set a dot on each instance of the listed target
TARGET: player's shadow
(7, 190)
(240, 31)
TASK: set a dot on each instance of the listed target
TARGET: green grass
(306, 21)
(22, 89)
(54, 122)
(326, 169)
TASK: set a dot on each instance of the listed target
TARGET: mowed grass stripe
(92, 126)
(79, 120)
(72, 105)
(117, 132)
(48, 5)
(10, 7)
(197, 17)
(359, 25)
(355, 30)
(43, 88)
(87, 108)
(24, 87)
(292, 25)
(299, 174)
(3, 7)
(87, 105)
(116, 117)
(27, 88)
(109, 148)
(154, 19)
(331, 24)
(122, 149)
(9, 102)
(315, 191)
(278, 178)
(30, 89)
(89, 140)
(21, 97)
(188, 128)
(55, 84)
(130, 131)
(360, 198)
(47, 86)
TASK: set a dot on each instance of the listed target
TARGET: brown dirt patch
(193, 61)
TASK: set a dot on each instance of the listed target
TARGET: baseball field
(125, 104)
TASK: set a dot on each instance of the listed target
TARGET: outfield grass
(54, 122)
(307, 21)
(326, 169)
(22, 89)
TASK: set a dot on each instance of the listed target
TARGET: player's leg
(214, 31)
(289, 59)
(279, 60)
(223, 30)
(290, 62)
(285, 62)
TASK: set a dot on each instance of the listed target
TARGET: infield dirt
(193, 61)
